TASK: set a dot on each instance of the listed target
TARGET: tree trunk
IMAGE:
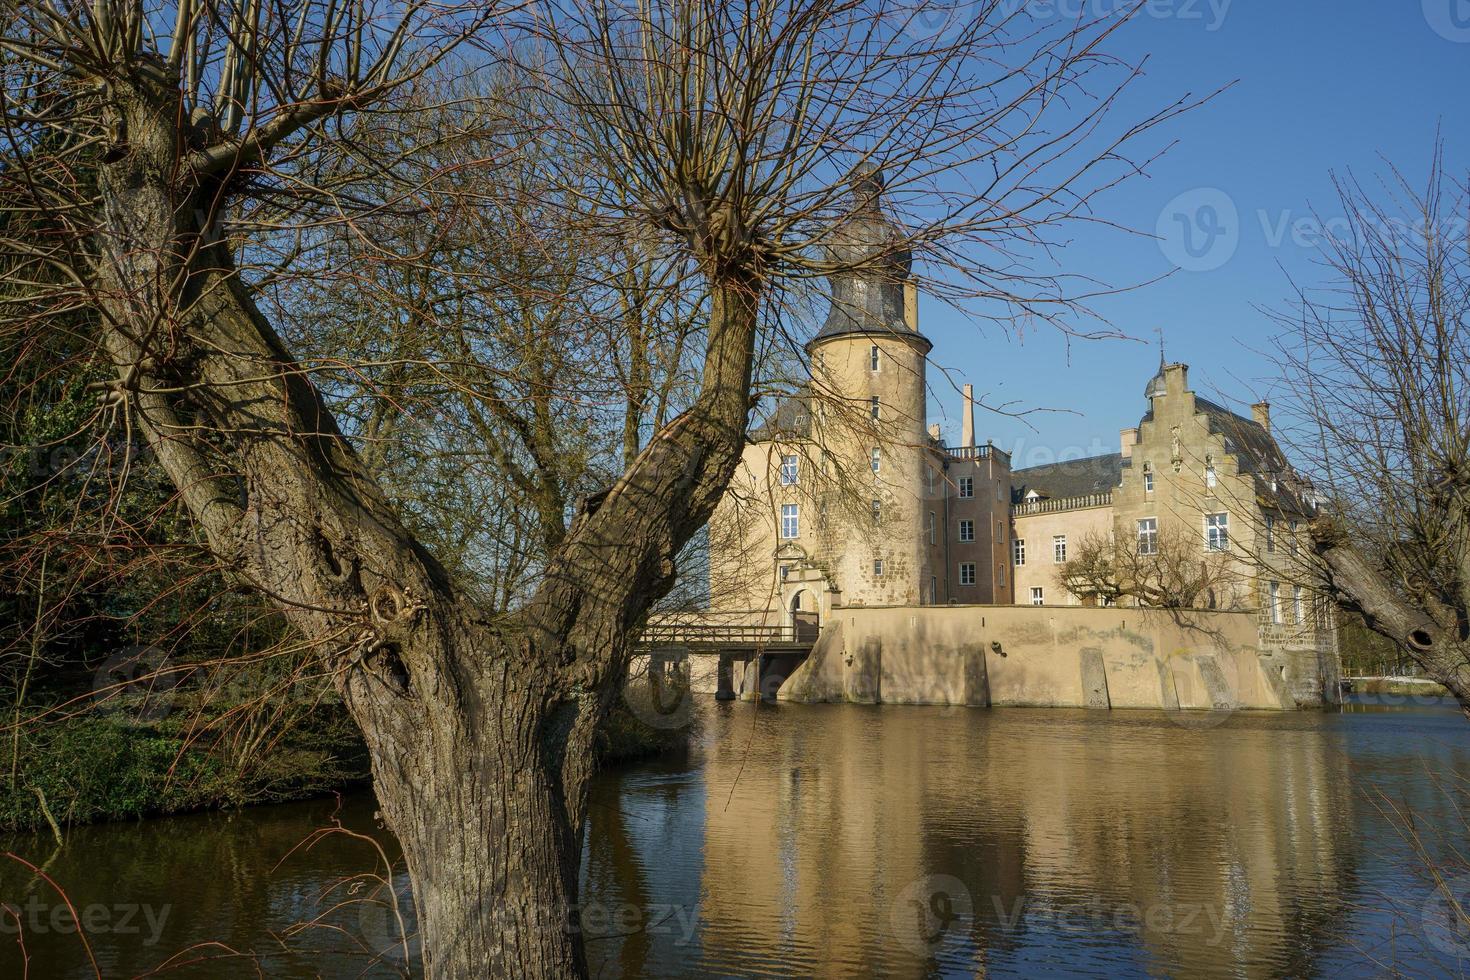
(480, 728)
(475, 798)
(1440, 648)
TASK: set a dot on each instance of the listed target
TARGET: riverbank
(128, 762)
(1396, 686)
(105, 766)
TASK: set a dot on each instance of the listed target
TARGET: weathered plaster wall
(1042, 656)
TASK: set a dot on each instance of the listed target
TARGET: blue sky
(1320, 86)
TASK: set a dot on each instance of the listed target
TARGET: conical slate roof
(867, 289)
(1156, 385)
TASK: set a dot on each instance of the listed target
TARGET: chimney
(935, 433)
(967, 419)
(911, 305)
(1261, 412)
(1127, 439)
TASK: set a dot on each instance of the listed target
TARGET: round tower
(868, 368)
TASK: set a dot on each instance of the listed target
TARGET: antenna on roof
(1160, 332)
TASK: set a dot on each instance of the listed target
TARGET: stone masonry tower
(868, 364)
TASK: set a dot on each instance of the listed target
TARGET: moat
(840, 840)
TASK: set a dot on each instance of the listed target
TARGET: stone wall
(1051, 657)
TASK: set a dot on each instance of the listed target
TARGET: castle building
(845, 497)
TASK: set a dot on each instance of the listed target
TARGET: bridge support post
(724, 679)
(750, 685)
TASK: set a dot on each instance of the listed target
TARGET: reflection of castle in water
(1043, 839)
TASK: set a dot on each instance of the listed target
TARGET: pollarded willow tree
(1377, 363)
(163, 137)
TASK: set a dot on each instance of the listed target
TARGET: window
(1299, 605)
(933, 526)
(967, 486)
(877, 567)
(873, 358)
(785, 571)
(1038, 596)
(1148, 481)
(877, 511)
(1059, 549)
(1000, 532)
(933, 589)
(967, 530)
(931, 479)
(877, 459)
(1148, 536)
(1000, 575)
(1217, 532)
(1270, 535)
(967, 573)
(1275, 600)
(789, 468)
(1291, 537)
(789, 521)
(1018, 551)
(873, 404)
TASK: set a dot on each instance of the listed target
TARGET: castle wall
(1044, 657)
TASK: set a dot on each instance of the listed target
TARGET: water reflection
(903, 841)
(846, 841)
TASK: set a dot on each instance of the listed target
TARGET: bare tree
(168, 137)
(1166, 571)
(1378, 366)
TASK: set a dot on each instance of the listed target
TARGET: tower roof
(1156, 384)
(871, 264)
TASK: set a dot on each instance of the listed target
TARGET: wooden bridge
(754, 660)
(722, 638)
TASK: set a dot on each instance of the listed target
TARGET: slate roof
(1069, 478)
(792, 419)
(1257, 453)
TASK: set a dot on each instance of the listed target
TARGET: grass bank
(116, 765)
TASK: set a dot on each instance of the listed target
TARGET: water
(852, 841)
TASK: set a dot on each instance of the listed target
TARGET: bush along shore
(130, 760)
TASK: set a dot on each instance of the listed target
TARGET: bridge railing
(711, 634)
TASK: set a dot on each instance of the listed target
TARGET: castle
(847, 498)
